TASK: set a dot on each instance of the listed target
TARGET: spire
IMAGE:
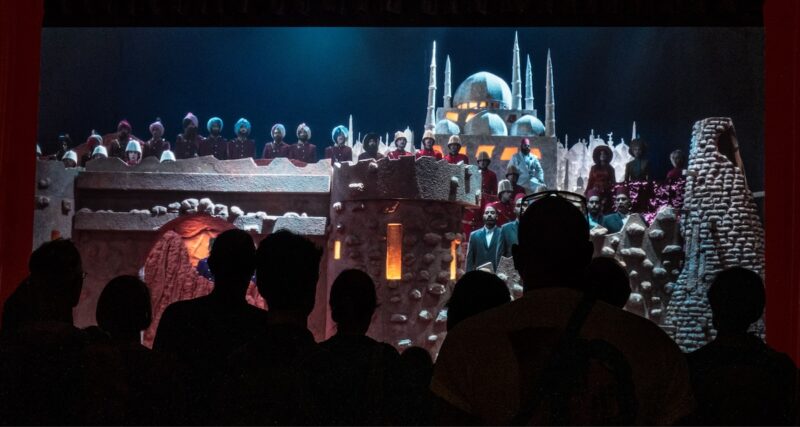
(550, 101)
(529, 85)
(633, 132)
(430, 118)
(448, 95)
(516, 80)
(350, 131)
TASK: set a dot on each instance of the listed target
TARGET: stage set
(405, 219)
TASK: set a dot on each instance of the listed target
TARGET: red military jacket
(430, 153)
(305, 153)
(505, 212)
(488, 181)
(339, 154)
(457, 158)
(241, 149)
(273, 150)
(365, 155)
(216, 146)
(185, 149)
(396, 154)
(155, 147)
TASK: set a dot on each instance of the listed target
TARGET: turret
(448, 95)
(529, 86)
(516, 80)
(550, 101)
(430, 118)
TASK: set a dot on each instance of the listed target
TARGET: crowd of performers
(491, 227)
(492, 230)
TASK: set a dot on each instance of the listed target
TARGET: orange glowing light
(508, 152)
(470, 116)
(337, 249)
(452, 116)
(438, 149)
(482, 104)
(473, 105)
(536, 153)
(463, 150)
(394, 251)
(489, 149)
(454, 262)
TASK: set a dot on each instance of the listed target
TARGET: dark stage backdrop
(605, 78)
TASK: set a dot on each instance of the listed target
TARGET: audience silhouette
(607, 280)
(564, 353)
(367, 372)
(42, 355)
(475, 292)
(202, 333)
(282, 376)
(737, 379)
(553, 356)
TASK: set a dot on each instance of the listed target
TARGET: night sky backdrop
(663, 78)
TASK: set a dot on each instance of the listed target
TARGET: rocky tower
(721, 228)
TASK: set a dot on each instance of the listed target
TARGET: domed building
(446, 127)
(486, 123)
(527, 125)
(491, 114)
(482, 90)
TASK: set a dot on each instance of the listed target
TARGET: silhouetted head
(353, 301)
(607, 280)
(232, 260)
(287, 269)
(678, 159)
(475, 292)
(602, 155)
(57, 273)
(554, 247)
(123, 309)
(737, 299)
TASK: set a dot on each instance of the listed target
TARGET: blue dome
(527, 125)
(486, 123)
(484, 88)
(446, 127)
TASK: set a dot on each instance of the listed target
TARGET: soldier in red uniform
(427, 146)
(188, 142)
(215, 144)
(303, 150)
(512, 175)
(242, 146)
(370, 147)
(339, 152)
(157, 144)
(276, 148)
(117, 146)
(453, 147)
(504, 206)
(400, 142)
(488, 178)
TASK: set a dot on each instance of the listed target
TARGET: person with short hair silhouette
(475, 292)
(145, 386)
(737, 378)
(204, 331)
(368, 371)
(554, 356)
(42, 355)
(607, 280)
(282, 376)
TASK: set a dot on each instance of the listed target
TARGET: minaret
(448, 95)
(550, 101)
(350, 131)
(430, 119)
(516, 78)
(529, 86)
(633, 132)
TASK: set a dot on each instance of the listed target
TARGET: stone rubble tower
(430, 118)
(516, 78)
(720, 227)
(529, 86)
(550, 101)
(448, 92)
